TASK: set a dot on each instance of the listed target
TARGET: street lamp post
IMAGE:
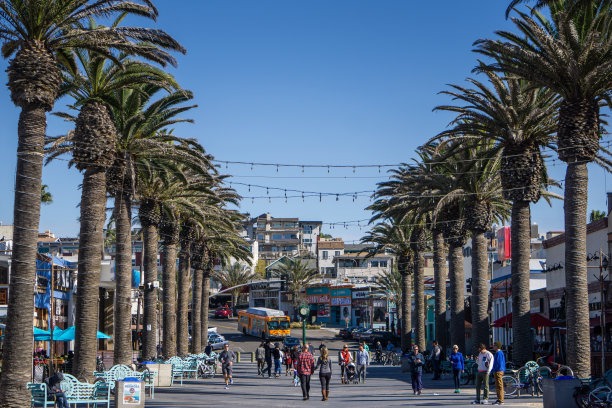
(603, 265)
(304, 312)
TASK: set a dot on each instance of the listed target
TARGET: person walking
(365, 346)
(305, 366)
(277, 355)
(268, 355)
(362, 360)
(499, 367)
(227, 358)
(436, 354)
(485, 365)
(260, 357)
(287, 360)
(344, 359)
(416, 362)
(324, 364)
(208, 349)
(458, 364)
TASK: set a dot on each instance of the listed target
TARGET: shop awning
(537, 320)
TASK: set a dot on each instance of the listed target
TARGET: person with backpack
(277, 355)
(54, 389)
(287, 360)
(268, 354)
(324, 364)
(260, 357)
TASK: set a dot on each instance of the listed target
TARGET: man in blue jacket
(499, 367)
(416, 361)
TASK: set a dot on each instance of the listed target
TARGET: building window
(290, 225)
(4, 296)
(307, 240)
(374, 264)
(307, 229)
(324, 255)
(337, 253)
(274, 249)
(4, 278)
(260, 237)
(277, 236)
(382, 264)
(290, 236)
(276, 225)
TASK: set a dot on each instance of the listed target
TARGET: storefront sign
(380, 303)
(340, 301)
(318, 290)
(361, 294)
(341, 292)
(317, 299)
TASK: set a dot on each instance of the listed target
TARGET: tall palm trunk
(457, 287)
(91, 243)
(576, 285)
(419, 300)
(521, 253)
(17, 353)
(196, 310)
(170, 235)
(34, 80)
(405, 263)
(183, 300)
(150, 238)
(123, 276)
(480, 290)
(205, 303)
(440, 275)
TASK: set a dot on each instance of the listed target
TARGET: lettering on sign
(317, 298)
(340, 301)
(361, 294)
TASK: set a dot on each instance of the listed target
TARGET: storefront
(379, 313)
(360, 307)
(318, 298)
(341, 305)
(265, 295)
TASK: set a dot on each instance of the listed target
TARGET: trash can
(559, 392)
(129, 393)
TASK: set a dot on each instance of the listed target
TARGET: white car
(217, 340)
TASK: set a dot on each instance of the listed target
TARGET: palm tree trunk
(440, 274)
(17, 353)
(419, 300)
(183, 301)
(406, 319)
(151, 239)
(91, 243)
(123, 276)
(196, 310)
(457, 287)
(480, 291)
(205, 303)
(520, 272)
(169, 298)
(576, 285)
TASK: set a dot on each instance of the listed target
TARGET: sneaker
(476, 402)
(456, 391)
(227, 387)
(498, 402)
(231, 381)
(484, 402)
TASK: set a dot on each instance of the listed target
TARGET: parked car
(347, 332)
(291, 341)
(217, 340)
(223, 312)
(382, 336)
(361, 334)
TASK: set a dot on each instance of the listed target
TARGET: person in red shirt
(305, 367)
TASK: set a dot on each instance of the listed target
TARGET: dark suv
(382, 336)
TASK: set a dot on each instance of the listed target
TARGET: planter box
(559, 393)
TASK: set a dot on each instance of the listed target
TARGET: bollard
(129, 392)
(252, 357)
(237, 356)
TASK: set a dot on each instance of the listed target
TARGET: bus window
(278, 325)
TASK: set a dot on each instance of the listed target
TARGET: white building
(355, 266)
(327, 251)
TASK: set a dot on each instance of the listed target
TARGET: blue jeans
(277, 366)
(60, 400)
(417, 383)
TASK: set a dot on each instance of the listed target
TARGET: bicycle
(526, 378)
(100, 364)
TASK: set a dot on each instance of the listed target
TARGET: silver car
(217, 340)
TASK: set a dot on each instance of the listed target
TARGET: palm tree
(596, 215)
(483, 111)
(394, 238)
(298, 275)
(169, 231)
(45, 195)
(99, 87)
(41, 34)
(236, 274)
(570, 55)
(186, 236)
(390, 282)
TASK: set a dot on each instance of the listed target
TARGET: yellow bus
(263, 322)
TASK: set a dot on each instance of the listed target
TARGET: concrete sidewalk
(385, 387)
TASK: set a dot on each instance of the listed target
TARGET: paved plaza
(386, 387)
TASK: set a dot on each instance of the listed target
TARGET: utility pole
(52, 325)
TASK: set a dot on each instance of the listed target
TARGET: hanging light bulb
(302, 169)
(267, 191)
(327, 169)
(226, 165)
(379, 169)
(251, 166)
(353, 169)
(277, 168)
(252, 200)
(337, 197)
(249, 188)
(302, 196)
(269, 199)
(320, 197)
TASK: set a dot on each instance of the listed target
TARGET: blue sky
(306, 82)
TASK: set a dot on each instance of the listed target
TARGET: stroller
(350, 374)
